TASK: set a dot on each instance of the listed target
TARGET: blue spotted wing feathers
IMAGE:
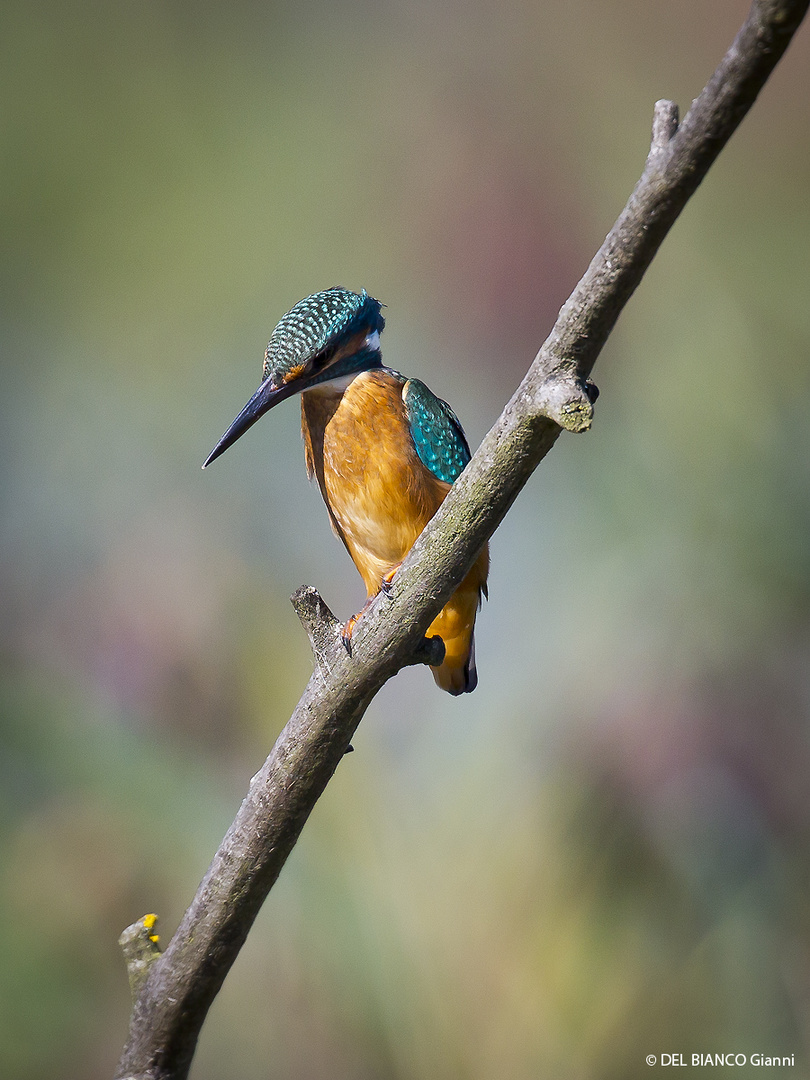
(437, 434)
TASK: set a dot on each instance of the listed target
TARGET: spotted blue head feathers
(325, 336)
(316, 328)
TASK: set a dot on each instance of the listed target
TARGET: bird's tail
(454, 625)
(457, 675)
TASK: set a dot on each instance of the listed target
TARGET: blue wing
(437, 434)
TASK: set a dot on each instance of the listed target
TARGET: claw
(385, 589)
(348, 628)
(388, 580)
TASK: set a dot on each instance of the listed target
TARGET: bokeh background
(603, 852)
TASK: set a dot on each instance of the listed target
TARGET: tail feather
(455, 624)
(457, 675)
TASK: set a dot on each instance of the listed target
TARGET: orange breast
(379, 494)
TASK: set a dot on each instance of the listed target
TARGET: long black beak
(263, 400)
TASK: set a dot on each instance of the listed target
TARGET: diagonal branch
(180, 984)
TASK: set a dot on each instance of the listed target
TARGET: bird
(383, 449)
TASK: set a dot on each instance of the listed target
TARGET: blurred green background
(601, 854)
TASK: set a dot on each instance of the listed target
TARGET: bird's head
(326, 337)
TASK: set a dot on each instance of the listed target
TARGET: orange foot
(385, 588)
(388, 579)
(348, 628)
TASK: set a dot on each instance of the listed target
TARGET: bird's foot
(348, 630)
(385, 588)
(349, 625)
(387, 582)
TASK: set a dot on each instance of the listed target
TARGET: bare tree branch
(177, 987)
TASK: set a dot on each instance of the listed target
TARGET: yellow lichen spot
(149, 924)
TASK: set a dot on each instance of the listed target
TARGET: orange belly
(380, 496)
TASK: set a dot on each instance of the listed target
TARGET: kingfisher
(383, 449)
